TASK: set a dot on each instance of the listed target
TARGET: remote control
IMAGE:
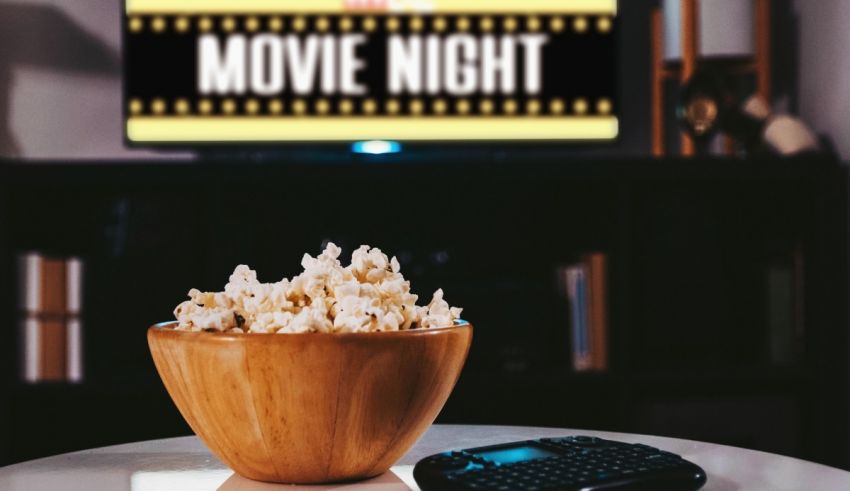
(580, 463)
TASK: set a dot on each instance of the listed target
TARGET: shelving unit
(687, 241)
(758, 66)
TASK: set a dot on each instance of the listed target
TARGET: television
(238, 72)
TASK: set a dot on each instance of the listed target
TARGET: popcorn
(368, 295)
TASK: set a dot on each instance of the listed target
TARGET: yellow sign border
(141, 7)
(258, 129)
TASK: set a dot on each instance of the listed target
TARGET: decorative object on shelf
(777, 133)
(732, 36)
(785, 305)
(703, 105)
(585, 285)
(708, 106)
(50, 311)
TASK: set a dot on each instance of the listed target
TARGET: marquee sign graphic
(220, 71)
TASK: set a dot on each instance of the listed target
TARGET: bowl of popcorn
(329, 376)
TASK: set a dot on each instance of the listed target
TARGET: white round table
(185, 464)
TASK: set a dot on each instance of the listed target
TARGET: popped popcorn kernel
(368, 295)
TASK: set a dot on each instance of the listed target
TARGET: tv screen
(254, 71)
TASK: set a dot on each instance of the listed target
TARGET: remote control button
(606, 475)
(644, 448)
(586, 440)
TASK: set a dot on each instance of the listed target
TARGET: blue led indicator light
(376, 147)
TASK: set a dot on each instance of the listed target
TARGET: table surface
(186, 464)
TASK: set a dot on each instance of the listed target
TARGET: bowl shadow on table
(387, 481)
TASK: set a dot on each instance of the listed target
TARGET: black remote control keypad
(559, 464)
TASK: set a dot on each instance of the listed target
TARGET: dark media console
(693, 247)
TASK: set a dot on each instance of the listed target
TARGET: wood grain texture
(53, 286)
(690, 52)
(657, 96)
(54, 350)
(310, 408)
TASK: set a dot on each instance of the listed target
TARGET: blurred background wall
(824, 68)
(60, 80)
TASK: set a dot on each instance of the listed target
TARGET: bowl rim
(163, 327)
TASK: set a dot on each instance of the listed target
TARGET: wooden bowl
(310, 408)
